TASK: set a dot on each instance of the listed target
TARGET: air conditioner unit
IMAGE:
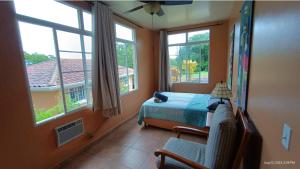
(69, 131)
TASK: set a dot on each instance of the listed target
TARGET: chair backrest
(244, 131)
(221, 139)
(228, 139)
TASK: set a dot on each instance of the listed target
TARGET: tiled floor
(128, 147)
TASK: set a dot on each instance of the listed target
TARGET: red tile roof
(45, 74)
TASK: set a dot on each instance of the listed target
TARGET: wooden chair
(241, 139)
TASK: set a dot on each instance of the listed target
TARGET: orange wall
(274, 77)
(218, 58)
(26, 146)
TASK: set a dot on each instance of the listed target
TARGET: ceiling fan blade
(160, 12)
(181, 2)
(134, 9)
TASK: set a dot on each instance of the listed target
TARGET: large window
(56, 39)
(189, 56)
(126, 53)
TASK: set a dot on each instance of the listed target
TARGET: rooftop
(45, 74)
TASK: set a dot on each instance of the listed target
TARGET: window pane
(89, 77)
(122, 62)
(189, 62)
(73, 78)
(204, 63)
(130, 51)
(68, 41)
(87, 21)
(177, 38)
(48, 10)
(88, 44)
(177, 56)
(194, 62)
(124, 33)
(126, 66)
(42, 70)
(198, 36)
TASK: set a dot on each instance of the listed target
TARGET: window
(126, 54)
(57, 56)
(189, 57)
(77, 94)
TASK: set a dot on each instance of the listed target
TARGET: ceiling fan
(154, 7)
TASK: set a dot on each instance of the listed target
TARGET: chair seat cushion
(187, 149)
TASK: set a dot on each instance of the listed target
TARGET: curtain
(105, 81)
(163, 62)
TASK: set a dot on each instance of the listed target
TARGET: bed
(186, 109)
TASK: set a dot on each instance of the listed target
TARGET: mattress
(187, 108)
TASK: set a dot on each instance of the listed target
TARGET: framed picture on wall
(230, 59)
(244, 54)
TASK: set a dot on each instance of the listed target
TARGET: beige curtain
(105, 81)
(164, 84)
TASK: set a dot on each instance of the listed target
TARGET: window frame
(58, 27)
(188, 44)
(136, 81)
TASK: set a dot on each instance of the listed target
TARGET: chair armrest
(181, 129)
(164, 153)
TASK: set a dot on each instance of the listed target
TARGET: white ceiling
(179, 15)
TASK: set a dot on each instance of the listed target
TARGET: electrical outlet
(286, 136)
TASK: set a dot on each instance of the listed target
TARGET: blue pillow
(161, 97)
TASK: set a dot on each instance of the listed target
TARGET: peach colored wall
(26, 146)
(274, 77)
(218, 57)
(45, 100)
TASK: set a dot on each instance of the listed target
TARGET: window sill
(129, 93)
(37, 124)
(190, 83)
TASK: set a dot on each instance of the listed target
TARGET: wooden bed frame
(169, 125)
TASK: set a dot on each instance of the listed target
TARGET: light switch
(286, 136)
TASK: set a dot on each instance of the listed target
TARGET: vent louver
(69, 131)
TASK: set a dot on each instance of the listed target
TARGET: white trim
(54, 88)
(57, 26)
(59, 69)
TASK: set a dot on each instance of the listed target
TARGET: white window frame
(135, 54)
(188, 44)
(59, 27)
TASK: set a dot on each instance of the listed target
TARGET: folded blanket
(161, 97)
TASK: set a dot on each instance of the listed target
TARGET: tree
(189, 67)
(125, 51)
(35, 58)
(197, 53)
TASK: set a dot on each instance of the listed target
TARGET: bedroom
(272, 92)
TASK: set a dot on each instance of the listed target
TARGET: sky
(39, 39)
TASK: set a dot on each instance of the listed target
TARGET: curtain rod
(197, 27)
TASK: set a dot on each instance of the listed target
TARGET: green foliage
(199, 37)
(125, 54)
(42, 114)
(35, 58)
(124, 86)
